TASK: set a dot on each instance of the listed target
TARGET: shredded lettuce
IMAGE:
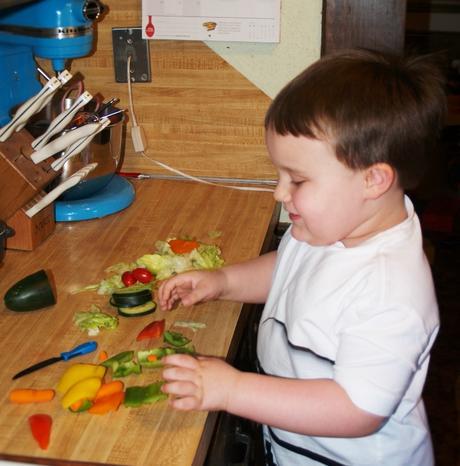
(93, 320)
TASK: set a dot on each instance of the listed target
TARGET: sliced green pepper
(175, 338)
(151, 357)
(139, 395)
(122, 364)
(126, 368)
(119, 358)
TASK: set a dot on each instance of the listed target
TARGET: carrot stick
(107, 403)
(108, 389)
(30, 395)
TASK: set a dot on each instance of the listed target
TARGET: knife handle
(79, 350)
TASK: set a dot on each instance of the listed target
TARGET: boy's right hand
(191, 287)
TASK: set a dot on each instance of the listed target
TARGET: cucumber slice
(31, 293)
(135, 311)
(134, 297)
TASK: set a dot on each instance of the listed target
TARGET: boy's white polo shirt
(366, 317)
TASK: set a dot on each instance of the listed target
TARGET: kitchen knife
(61, 142)
(79, 350)
(77, 146)
(73, 180)
(33, 105)
(61, 121)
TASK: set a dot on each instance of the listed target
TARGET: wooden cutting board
(77, 254)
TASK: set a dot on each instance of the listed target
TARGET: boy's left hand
(200, 383)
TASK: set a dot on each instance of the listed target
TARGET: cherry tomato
(128, 279)
(142, 275)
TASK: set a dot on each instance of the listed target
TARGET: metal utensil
(79, 350)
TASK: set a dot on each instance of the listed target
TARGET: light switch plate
(128, 42)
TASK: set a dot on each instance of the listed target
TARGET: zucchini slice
(135, 311)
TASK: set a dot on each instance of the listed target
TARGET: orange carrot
(103, 356)
(108, 389)
(81, 405)
(30, 395)
(107, 403)
(76, 406)
(152, 358)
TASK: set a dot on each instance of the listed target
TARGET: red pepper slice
(182, 246)
(40, 425)
(153, 330)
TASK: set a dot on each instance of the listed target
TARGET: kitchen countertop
(77, 254)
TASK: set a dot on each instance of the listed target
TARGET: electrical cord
(139, 146)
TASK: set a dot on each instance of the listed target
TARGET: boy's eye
(297, 182)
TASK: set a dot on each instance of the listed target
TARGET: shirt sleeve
(378, 357)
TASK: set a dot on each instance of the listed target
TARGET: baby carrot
(109, 388)
(30, 395)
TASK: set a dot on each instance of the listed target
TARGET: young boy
(350, 314)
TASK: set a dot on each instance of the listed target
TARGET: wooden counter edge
(211, 420)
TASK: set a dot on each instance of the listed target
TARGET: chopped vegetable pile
(170, 258)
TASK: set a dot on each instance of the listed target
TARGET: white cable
(130, 93)
(167, 167)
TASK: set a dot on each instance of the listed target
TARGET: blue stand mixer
(57, 30)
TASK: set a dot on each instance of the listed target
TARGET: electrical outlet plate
(128, 42)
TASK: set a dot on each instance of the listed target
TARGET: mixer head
(56, 30)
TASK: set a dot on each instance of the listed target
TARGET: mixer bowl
(106, 149)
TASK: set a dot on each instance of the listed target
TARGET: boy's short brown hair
(372, 107)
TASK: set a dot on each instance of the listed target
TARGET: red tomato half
(142, 275)
(128, 279)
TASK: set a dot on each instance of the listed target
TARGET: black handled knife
(79, 350)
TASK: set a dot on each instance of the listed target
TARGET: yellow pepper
(84, 389)
(78, 372)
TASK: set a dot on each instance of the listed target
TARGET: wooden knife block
(20, 178)
(30, 232)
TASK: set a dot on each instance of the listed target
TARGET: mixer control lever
(93, 9)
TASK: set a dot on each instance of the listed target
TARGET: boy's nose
(281, 193)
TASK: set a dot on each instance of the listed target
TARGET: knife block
(20, 178)
(31, 232)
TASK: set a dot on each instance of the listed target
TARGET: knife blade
(79, 350)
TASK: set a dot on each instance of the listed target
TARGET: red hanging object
(150, 28)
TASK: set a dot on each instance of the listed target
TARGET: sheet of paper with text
(212, 20)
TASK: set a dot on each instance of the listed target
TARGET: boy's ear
(378, 179)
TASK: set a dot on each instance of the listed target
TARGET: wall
(203, 111)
